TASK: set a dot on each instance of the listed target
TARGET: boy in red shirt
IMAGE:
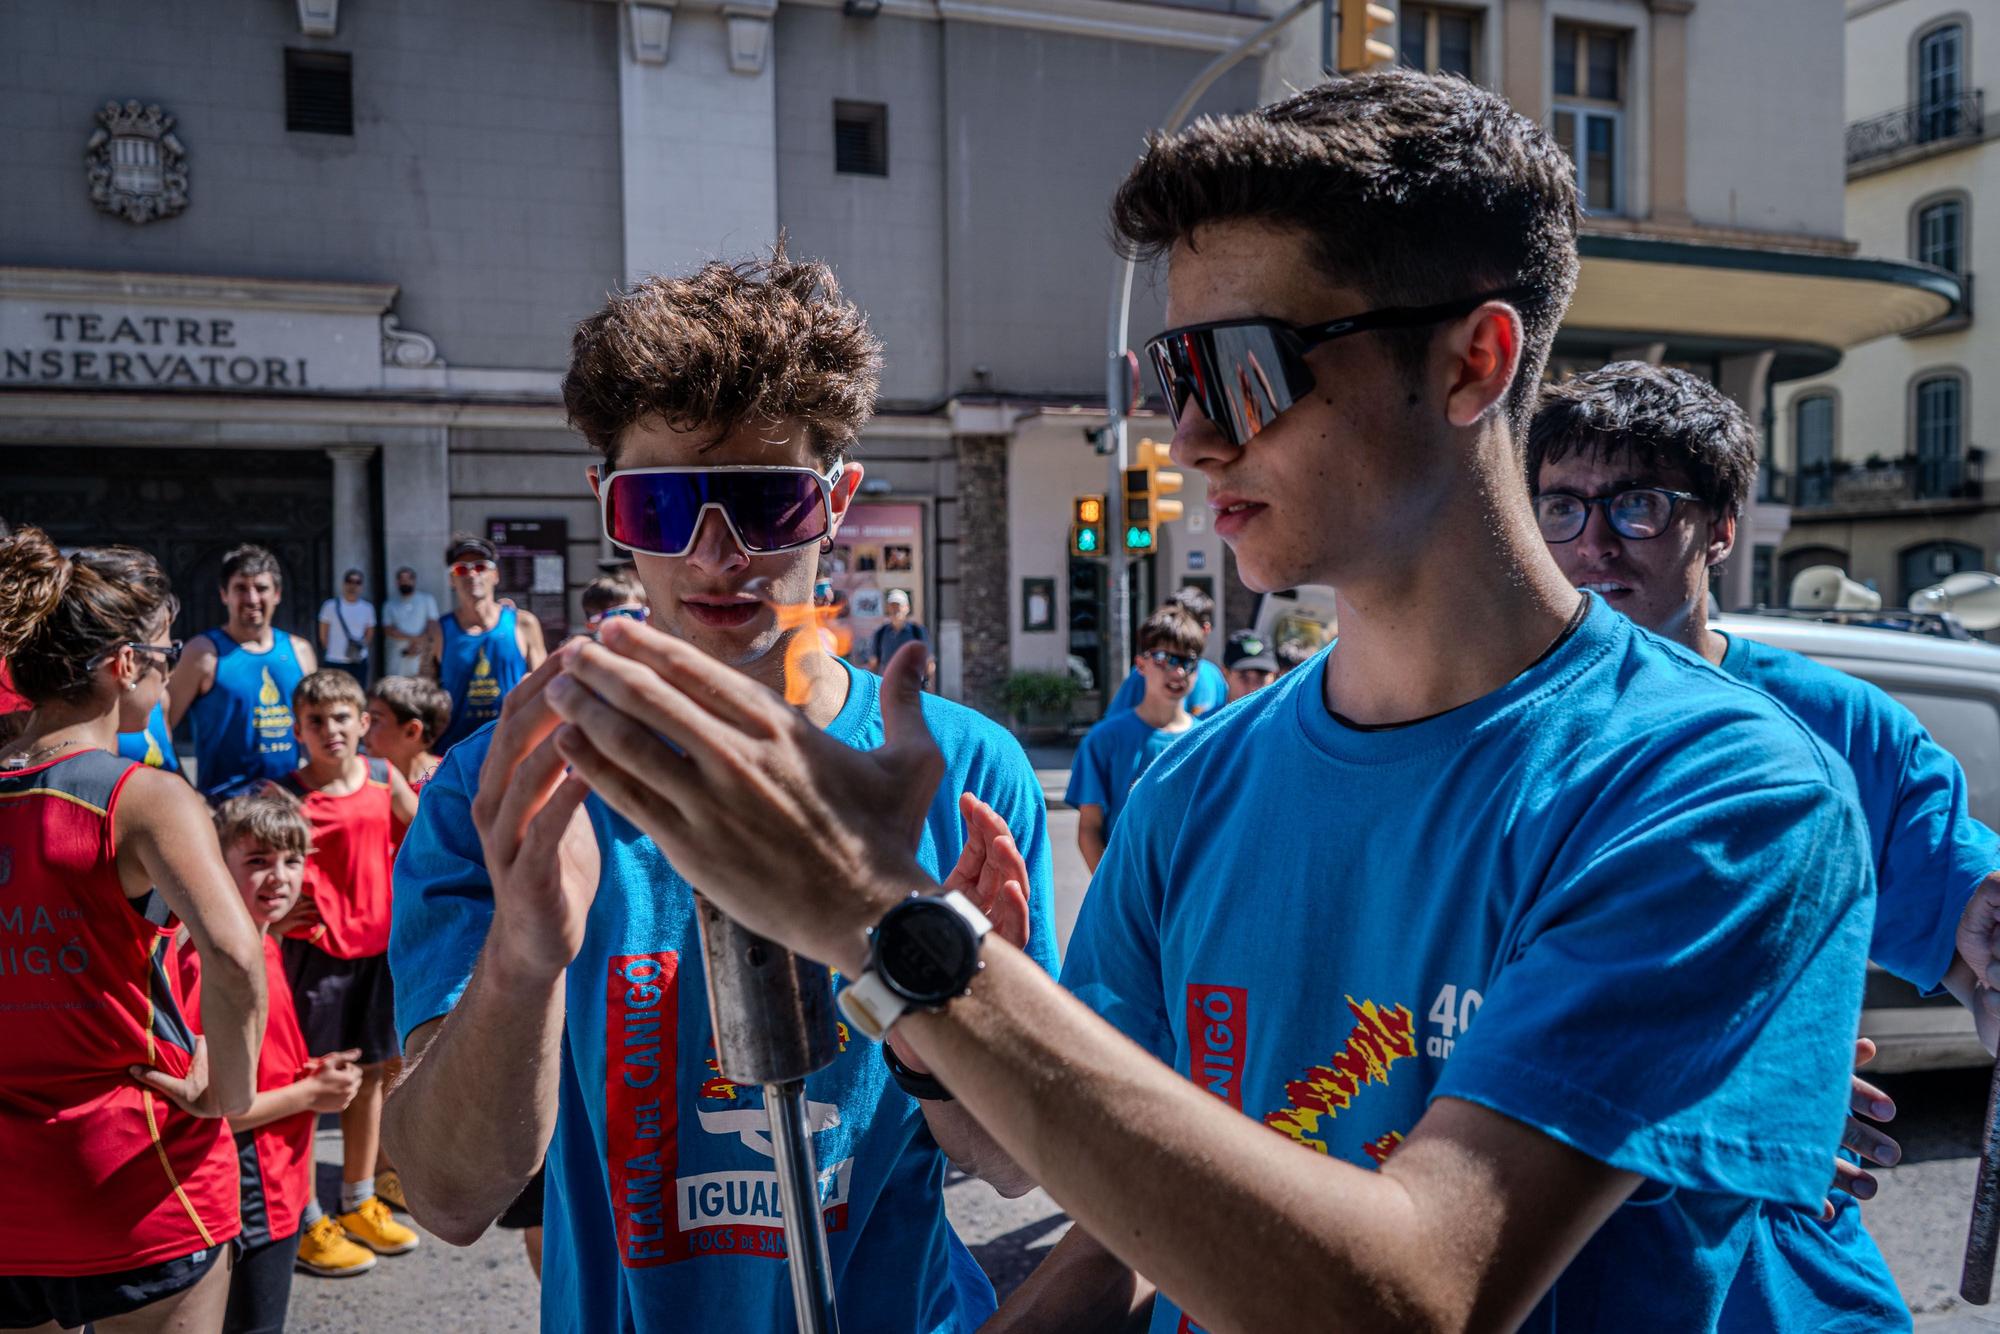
(339, 970)
(406, 716)
(265, 841)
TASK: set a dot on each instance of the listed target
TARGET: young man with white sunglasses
(545, 953)
(482, 648)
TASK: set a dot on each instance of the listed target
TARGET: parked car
(1953, 686)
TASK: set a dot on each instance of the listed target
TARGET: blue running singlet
(477, 671)
(152, 744)
(243, 723)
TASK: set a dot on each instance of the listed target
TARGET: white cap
(898, 598)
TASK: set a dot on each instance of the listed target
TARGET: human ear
(843, 493)
(1721, 538)
(1484, 350)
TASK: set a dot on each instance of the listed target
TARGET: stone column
(1669, 91)
(983, 571)
(1746, 379)
(353, 516)
(1524, 40)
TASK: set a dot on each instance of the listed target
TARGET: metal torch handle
(798, 1195)
(1982, 1239)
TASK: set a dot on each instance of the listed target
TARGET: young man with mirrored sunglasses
(545, 951)
(1523, 929)
(1640, 474)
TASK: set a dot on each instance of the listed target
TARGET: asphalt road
(1919, 1219)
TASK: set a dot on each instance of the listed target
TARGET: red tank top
(102, 1174)
(274, 1161)
(348, 873)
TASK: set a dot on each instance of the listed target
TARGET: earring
(130, 686)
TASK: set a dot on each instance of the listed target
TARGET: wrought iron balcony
(1938, 123)
(1889, 483)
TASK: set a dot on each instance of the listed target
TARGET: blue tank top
(477, 671)
(152, 744)
(243, 724)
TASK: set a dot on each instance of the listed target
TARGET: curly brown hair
(59, 612)
(270, 817)
(765, 340)
(1412, 189)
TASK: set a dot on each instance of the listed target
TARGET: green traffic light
(1137, 538)
(1087, 540)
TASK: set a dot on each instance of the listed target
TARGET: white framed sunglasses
(768, 509)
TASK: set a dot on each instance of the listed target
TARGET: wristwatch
(923, 952)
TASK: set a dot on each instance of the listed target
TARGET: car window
(1970, 730)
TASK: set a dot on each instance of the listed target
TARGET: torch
(1982, 1239)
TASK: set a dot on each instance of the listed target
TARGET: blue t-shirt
(660, 1210)
(1644, 884)
(243, 723)
(477, 671)
(1112, 757)
(1211, 691)
(1929, 856)
(152, 744)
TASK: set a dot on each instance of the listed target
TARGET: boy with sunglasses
(545, 951)
(1116, 751)
(1639, 475)
(1525, 930)
(481, 649)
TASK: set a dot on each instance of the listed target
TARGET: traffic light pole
(1119, 396)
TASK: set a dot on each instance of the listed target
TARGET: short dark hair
(768, 340)
(612, 590)
(1195, 603)
(1412, 189)
(1172, 629)
(1665, 419)
(329, 685)
(251, 559)
(415, 699)
(269, 817)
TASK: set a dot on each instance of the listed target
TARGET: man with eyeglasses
(481, 649)
(1640, 474)
(1523, 929)
(237, 682)
(1118, 749)
(549, 979)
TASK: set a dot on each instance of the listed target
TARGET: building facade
(1885, 458)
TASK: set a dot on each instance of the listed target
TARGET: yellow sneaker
(371, 1225)
(389, 1187)
(325, 1250)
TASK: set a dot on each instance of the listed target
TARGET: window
(1933, 563)
(1812, 437)
(1941, 235)
(1940, 438)
(861, 138)
(1588, 114)
(1940, 79)
(1438, 40)
(319, 92)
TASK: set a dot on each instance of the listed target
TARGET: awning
(1637, 289)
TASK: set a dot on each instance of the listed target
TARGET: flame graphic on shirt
(153, 756)
(483, 689)
(1380, 1039)
(272, 717)
(268, 694)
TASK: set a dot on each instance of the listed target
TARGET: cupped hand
(1872, 1145)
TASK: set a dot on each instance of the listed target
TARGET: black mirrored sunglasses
(1243, 373)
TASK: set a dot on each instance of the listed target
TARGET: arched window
(1931, 562)
(1940, 82)
(1939, 234)
(1812, 441)
(1939, 428)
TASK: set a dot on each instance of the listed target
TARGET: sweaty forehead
(652, 443)
(1240, 270)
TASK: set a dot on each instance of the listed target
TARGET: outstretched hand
(797, 836)
(1870, 1144)
(1978, 941)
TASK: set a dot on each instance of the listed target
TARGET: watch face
(926, 951)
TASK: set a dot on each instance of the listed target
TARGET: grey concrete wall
(524, 474)
(884, 235)
(1041, 128)
(483, 173)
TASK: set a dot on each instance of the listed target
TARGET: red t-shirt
(100, 1173)
(275, 1160)
(354, 850)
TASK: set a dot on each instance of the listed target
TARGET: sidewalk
(1052, 768)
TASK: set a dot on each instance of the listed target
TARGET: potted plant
(1038, 703)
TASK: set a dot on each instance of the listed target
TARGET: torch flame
(803, 621)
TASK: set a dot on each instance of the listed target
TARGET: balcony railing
(1941, 122)
(1890, 482)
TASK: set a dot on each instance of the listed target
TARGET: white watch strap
(872, 1006)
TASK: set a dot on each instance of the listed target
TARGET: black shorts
(342, 1003)
(526, 1210)
(260, 1289)
(26, 1302)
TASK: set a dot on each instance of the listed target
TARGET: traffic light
(1360, 48)
(1086, 529)
(1148, 483)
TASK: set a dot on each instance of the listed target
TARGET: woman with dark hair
(121, 1203)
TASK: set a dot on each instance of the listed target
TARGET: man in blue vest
(481, 649)
(237, 681)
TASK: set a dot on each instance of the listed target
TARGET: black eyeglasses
(172, 653)
(1243, 373)
(1173, 662)
(1638, 513)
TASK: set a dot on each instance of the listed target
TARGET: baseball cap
(1246, 651)
(469, 544)
(898, 598)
